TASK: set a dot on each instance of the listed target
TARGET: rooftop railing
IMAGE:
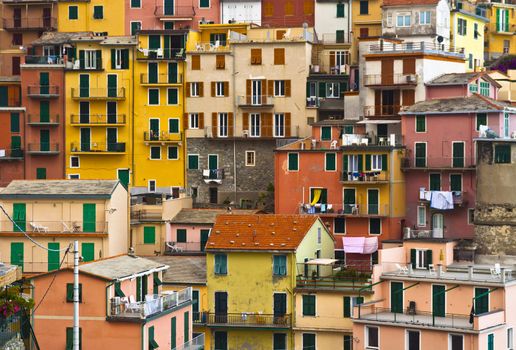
(438, 162)
(174, 11)
(43, 119)
(30, 23)
(382, 110)
(258, 131)
(334, 38)
(164, 136)
(98, 93)
(426, 47)
(63, 226)
(390, 79)
(99, 148)
(212, 46)
(196, 343)
(360, 210)
(49, 59)
(249, 319)
(146, 215)
(43, 91)
(160, 54)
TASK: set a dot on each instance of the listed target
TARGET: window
(98, 12)
(456, 182)
(340, 10)
(377, 162)
(279, 266)
(435, 182)
(220, 62)
(279, 341)
(69, 292)
(462, 26)
(193, 162)
(73, 12)
(74, 176)
(471, 216)
(364, 7)
(420, 258)
(279, 56)
(204, 3)
(155, 152)
(256, 56)
(221, 264)
(193, 120)
(136, 4)
(149, 235)
(502, 154)
(484, 88)
(279, 88)
(221, 341)
(413, 341)
(17, 39)
(309, 341)
(349, 200)
(119, 59)
(456, 342)
(420, 123)
(339, 226)
(69, 338)
(74, 162)
(172, 153)
(151, 341)
(510, 339)
(222, 128)
(330, 163)
(332, 90)
(502, 20)
(420, 154)
(308, 305)
(458, 154)
(172, 96)
(421, 216)
(173, 126)
(153, 95)
(255, 123)
(481, 300)
(219, 89)
(196, 62)
(375, 226)
(490, 341)
(293, 161)
(41, 173)
(481, 120)
(473, 88)
(250, 158)
(425, 17)
(470, 61)
(136, 26)
(403, 21)
(372, 338)
(181, 235)
(194, 89)
(90, 59)
(326, 133)
(279, 125)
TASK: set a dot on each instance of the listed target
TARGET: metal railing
(164, 79)
(390, 79)
(38, 119)
(502, 28)
(164, 136)
(261, 131)
(196, 343)
(212, 46)
(16, 332)
(255, 101)
(422, 46)
(12, 102)
(93, 119)
(370, 140)
(382, 110)
(333, 38)
(418, 234)
(154, 304)
(50, 59)
(179, 247)
(250, 319)
(47, 23)
(365, 176)
(174, 11)
(213, 174)
(94, 147)
(333, 282)
(163, 54)
(63, 226)
(345, 209)
(11, 154)
(43, 91)
(146, 215)
(438, 162)
(43, 148)
(98, 93)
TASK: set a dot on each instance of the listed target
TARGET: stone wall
(496, 240)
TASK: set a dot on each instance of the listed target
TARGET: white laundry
(441, 200)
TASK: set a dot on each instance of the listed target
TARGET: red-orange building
(287, 13)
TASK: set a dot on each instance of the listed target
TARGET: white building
(333, 21)
(239, 11)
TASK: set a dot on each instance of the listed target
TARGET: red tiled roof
(409, 2)
(259, 232)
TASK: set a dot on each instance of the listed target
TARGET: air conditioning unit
(245, 133)
(411, 78)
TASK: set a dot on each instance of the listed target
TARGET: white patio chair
(431, 269)
(402, 269)
(132, 305)
(66, 228)
(496, 271)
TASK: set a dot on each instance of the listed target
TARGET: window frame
(279, 127)
(424, 130)
(366, 332)
(288, 161)
(150, 184)
(326, 161)
(168, 153)
(78, 162)
(279, 274)
(419, 222)
(168, 96)
(150, 153)
(369, 226)
(101, 7)
(407, 338)
(135, 7)
(194, 89)
(253, 163)
(193, 121)
(223, 124)
(188, 161)
(471, 210)
(497, 157)
(331, 88)
(461, 181)
(205, 7)
(148, 96)
(403, 17)
(131, 26)
(314, 296)
(220, 271)
(476, 120)
(427, 18)
(76, 12)
(279, 88)
(219, 89)
(178, 126)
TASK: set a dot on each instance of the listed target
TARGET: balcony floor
(458, 322)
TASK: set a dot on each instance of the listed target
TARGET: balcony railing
(160, 79)
(58, 227)
(425, 47)
(212, 46)
(11, 154)
(161, 54)
(330, 283)
(98, 148)
(43, 91)
(12, 102)
(180, 247)
(213, 174)
(333, 38)
(382, 110)
(146, 215)
(43, 148)
(409, 233)
(254, 101)
(249, 319)
(153, 304)
(365, 177)
(175, 11)
(259, 131)
(46, 120)
(458, 196)
(163, 137)
(359, 210)
(30, 23)
(196, 343)
(502, 28)
(51, 59)
(98, 119)
(390, 79)
(98, 93)
(438, 162)
(354, 140)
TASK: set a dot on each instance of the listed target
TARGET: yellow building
(99, 109)
(57, 212)
(251, 264)
(91, 16)
(159, 138)
(467, 30)
(366, 22)
(499, 38)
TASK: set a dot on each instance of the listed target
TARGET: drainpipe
(132, 170)
(234, 126)
(183, 84)
(62, 122)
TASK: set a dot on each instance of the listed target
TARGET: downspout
(185, 173)
(234, 126)
(132, 170)
(63, 122)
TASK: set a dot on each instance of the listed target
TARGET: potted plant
(11, 302)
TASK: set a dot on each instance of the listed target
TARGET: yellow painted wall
(495, 39)
(143, 249)
(373, 21)
(113, 21)
(471, 45)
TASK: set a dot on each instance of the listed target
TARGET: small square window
(293, 162)
(155, 152)
(74, 162)
(151, 186)
(135, 27)
(73, 12)
(70, 292)
(181, 235)
(502, 154)
(98, 12)
(74, 176)
(173, 153)
(204, 4)
(136, 4)
(250, 158)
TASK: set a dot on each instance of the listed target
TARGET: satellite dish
(440, 39)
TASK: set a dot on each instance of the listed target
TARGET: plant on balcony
(352, 274)
(11, 301)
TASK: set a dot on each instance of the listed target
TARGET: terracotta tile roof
(259, 232)
(409, 2)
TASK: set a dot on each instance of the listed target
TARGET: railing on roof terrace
(11, 154)
(357, 209)
(196, 343)
(63, 226)
(333, 38)
(417, 47)
(174, 11)
(146, 215)
(390, 79)
(50, 59)
(26, 23)
(160, 54)
(438, 162)
(212, 46)
(249, 319)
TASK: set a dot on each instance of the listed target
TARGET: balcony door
(349, 200)
(84, 112)
(17, 17)
(221, 307)
(168, 8)
(44, 140)
(387, 72)
(256, 97)
(205, 234)
(111, 112)
(280, 306)
(85, 139)
(112, 139)
(438, 225)
(154, 129)
(372, 201)
(438, 300)
(397, 297)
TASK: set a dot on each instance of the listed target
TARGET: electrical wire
(27, 235)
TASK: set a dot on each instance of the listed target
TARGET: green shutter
(153, 96)
(84, 81)
(375, 226)
(98, 12)
(173, 335)
(152, 70)
(435, 182)
(326, 133)
(15, 122)
(481, 119)
(172, 152)
(125, 58)
(118, 290)
(490, 341)
(113, 58)
(172, 95)
(308, 341)
(428, 258)
(455, 182)
(156, 282)
(44, 83)
(339, 36)
(347, 307)
(123, 177)
(420, 155)
(149, 235)
(330, 162)
(172, 73)
(204, 3)
(16, 150)
(420, 123)
(293, 161)
(307, 89)
(69, 338)
(397, 297)
(154, 42)
(438, 300)
(360, 163)
(138, 288)
(186, 326)
(372, 201)
(98, 63)
(481, 301)
(112, 85)
(384, 162)
(41, 173)
(413, 258)
(73, 12)
(322, 89)
(348, 342)
(309, 305)
(349, 200)
(458, 155)
(135, 3)
(88, 251)
(44, 111)
(340, 10)
(193, 162)
(205, 234)
(44, 140)
(502, 154)
(506, 23)
(19, 217)
(181, 235)
(89, 217)
(144, 286)
(17, 254)
(367, 162)
(53, 256)
(69, 292)
(81, 59)
(152, 342)
(344, 163)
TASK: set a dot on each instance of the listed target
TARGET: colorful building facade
(287, 13)
(97, 16)
(499, 38)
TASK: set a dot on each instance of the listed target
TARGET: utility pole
(76, 295)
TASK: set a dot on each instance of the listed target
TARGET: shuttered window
(256, 56)
(326, 133)
(73, 12)
(193, 162)
(330, 162)
(502, 154)
(181, 235)
(455, 182)
(196, 62)
(340, 10)
(279, 56)
(481, 120)
(220, 62)
(435, 182)
(172, 96)
(149, 235)
(308, 305)
(420, 154)
(98, 12)
(221, 264)
(279, 266)
(69, 292)
(420, 123)
(293, 161)
(375, 226)
(69, 338)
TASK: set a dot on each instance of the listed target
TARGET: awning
(321, 262)
(376, 121)
(360, 245)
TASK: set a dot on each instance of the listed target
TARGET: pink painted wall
(443, 91)
(162, 328)
(193, 235)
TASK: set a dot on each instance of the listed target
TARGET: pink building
(122, 306)
(440, 163)
(462, 85)
(422, 300)
(169, 14)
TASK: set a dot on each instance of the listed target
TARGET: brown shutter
(214, 124)
(196, 62)
(270, 87)
(280, 33)
(188, 90)
(220, 61)
(248, 91)
(377, 102)
(201, 120)
(201, 89)
(226, 88)
(230, 124)
(245, 121)
(332, 59)
(264, 91)
(287, 88)
(287, 124)
(409, 66)
(267, 125)
(279, 56)
(212, 89)
(185, 121)
(256, 56)
(408, 98)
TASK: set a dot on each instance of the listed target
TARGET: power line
(27, 235)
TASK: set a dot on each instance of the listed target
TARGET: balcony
(248, 319)
(160, 79)
(458, 197)
(146, 215)
(196, 343)
(213, 175)
(369, 177)
(43, 120)
(389, 80)
(98, 94)
(121, 309)
(438, 163)
(43, 149)
(98, 148)
(252, 133)
(212, 46)
(502, 28)
(46, 60)
(382, 111)
(183, 247)
(416, 47)
(333, 282)
(161, 54)
(255, 101)
(164, 137)
(97, 120)
(55, 227)
(43, 91)
(175, 12)
(11, 154)
(333, 38)
(351, 210)
(12, 102)
(20, 2)
(409, 233)
(30, 24)
(364, 140)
